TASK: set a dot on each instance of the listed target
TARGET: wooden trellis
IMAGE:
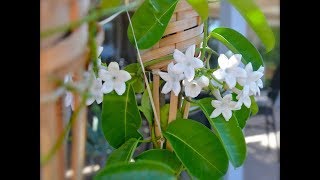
(60, 54)
(184, 29)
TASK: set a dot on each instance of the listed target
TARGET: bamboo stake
(172, 113)
(156, 99)
(186, 110)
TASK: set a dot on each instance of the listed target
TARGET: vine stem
(146, 83)
(204, 43)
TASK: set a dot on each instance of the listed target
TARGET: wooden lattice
(184, 29)
(60, 54)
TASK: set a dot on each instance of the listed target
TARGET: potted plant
(173, 57)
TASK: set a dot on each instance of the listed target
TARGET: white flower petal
(219, 74)
(99, 98)
(176, 88)
(123, 76)
(238, 72)
(247, 101)
(260, 83)
(178, 56)
(215, 113)
(164, 76)
(68, 99)
(193, 90)
(100, 51)
(227, 98)
(245, 90)
(196, 63)
(203, 81)
(226, 113)
(166, 88)
(248, 67)
(223, 61)
(229, 53)
(216, 103)
(120, 88)
(189, 73)
(107, 87)
(89, 101)
(234, 60)
(230, 80)
(113, 66)
(255, 76)
(178, 68)
(104, 75)
(261, 69)
(191, 50)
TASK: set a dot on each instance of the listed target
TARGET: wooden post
(172, 113)
(156, 100)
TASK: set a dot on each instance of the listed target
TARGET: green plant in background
(202, 152)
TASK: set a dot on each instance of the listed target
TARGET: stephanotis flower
(193, 88)
(252, 82)
(68, 99)
(186, 63)
(95, 93)
(172, 80)
(243, 97)
(229, 70)
(223, 106)
(114, 79)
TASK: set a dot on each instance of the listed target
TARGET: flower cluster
(231, 77)
(184, 70)
(233, 72)
(113, 77)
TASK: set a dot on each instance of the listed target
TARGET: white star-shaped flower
(229, 70)
(114, 79)
(223, 106)
(243, 97)
(252, 81)
(193, 88)
(95, 92)
(172, 80)
(186, 63)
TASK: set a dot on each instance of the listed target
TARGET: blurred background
(262, 131)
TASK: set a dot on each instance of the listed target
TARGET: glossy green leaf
(136, 80)
(136, 171)
(132, 68)
(254, 106)
(150, 21)
(161, 155)
(146, 107)
(229, 133)
(237, 43)
(198, 148)
(123, 153)
(256, 19)
(120, 117)
(164, 114)
(242, 116)
(201, 6)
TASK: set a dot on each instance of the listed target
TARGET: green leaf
(229, 133)
(146, 107)
(136, 171)
(256, 19)
(132, 68)
(123, 153)
(254, 106)
(164, 114)
(201, 6)
(150, 21)
(242, 116)
(120, 117)
(105, 4)
(136, 80)
(161, 155)
(198, 148)
(237, 43)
